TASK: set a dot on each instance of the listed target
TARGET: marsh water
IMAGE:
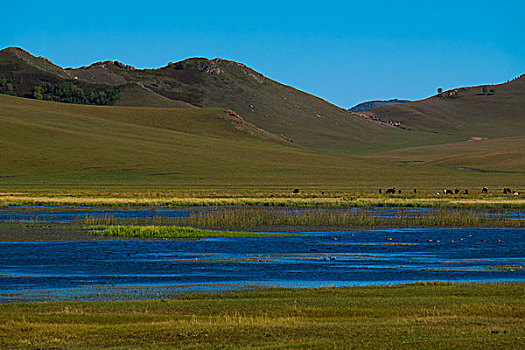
(45, 214)
(108, 270)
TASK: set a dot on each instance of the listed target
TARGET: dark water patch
(64, 214)
(95, 270)
(46, 214)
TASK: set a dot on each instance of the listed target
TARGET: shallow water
(70, 214)
(46, 214)
(102, 270)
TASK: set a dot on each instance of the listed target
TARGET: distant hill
(460, 114)
(365, 106)
(201, 83)
(480, 126)
(454, 116)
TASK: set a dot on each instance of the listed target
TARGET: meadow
(172, 232)
(422, 315)
(54, 147)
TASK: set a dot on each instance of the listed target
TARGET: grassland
(503, 155)
(169, 232)
(282, 110)
(421, 316)
(59, 146)
(264, 197)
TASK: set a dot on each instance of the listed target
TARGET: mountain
(201, 83)
(451, 117)
(365, 106)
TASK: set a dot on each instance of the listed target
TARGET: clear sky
(345, 52)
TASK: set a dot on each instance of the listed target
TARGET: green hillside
(454, 116)
(479, 127)
(307, 120)
(56, 145)
(172, 121)
(461, 114)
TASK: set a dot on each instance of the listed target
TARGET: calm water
(70, 214)
(101, 270)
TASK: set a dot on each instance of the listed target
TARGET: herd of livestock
(457, 190)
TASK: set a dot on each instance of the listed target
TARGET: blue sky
(345, 52)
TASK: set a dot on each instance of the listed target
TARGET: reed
(246, 218)
(169, 232)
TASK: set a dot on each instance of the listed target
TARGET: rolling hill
(198, 82)
(56, 145)
(202, 120)
(480, 127)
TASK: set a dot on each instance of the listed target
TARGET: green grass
(423, 316)
(59, 146)
(169, 232)
(311, 197)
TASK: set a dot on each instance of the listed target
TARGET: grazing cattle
(457, 190)
(391, 190)
(507, 190)
(415, 191)
(448, 192)
(484, 190)
(465, 191)
(516, 193)
(399, 191)
(295, 191)
(379, 191)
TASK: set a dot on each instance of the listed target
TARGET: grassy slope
(498, 120)
(53, 144)
(280, 109)
(306, 119)
(314, 123)
(499, 154)
(414, 316)
(50, 143)
(134, 95)
(469, 114)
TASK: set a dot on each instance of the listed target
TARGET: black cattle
(391, 191)
(457, 190)
(507, 190)
(295, 191)
(415, 191)
(379, 191)
(465, 191)
(399, 191)
(484, 190)
(448, 192)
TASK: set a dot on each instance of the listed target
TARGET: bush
(71, 93)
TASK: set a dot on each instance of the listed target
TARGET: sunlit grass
(424, 315)
(169, 232)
